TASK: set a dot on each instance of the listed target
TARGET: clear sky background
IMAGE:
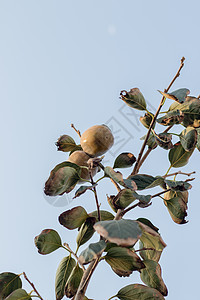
(64, 62)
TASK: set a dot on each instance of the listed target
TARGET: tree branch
(135, 170)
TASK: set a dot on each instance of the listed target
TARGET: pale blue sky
(67, 61)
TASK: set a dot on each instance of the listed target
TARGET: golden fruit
(97, 140)
(80, 158)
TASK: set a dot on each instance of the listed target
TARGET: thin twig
(129, 208)
(95, 195)
(25, 276)
(77, 131)
(179, 172)
(168, 128)
(155, 117)
(190, 179)
(163, 192)
(72, 252)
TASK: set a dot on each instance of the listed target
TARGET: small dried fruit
(81, 158)
(97, 140)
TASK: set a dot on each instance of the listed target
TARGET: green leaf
(73, 218)
(91, 252)
(73, 282)
(124, 160)
(123, 261)
(76, 148)
(191, 110)
(178, 185)
(150, 253)
(65, 143)
(86, 231)
(139, 292)
(148, 223)
(83, 189)
(179, 95)
(18, 294)
(63, 272)
(105, 215)
(143, 181)
(123, 199)
(48, 241)
(198, 138)
(8, 283)
(171, 118)
(134, 99)
(151, 276)
(164, 140)
(176, 203)
(116, 176)
(151, 238)
(188, 138)
(121, 232)
(151, 142)
(62, 179)
(178, 157)
(146, 120)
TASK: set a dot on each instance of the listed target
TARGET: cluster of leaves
(118, 236)
(11, 287)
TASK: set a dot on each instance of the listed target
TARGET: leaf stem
(135, 170)
(95, 195)
(67, 247)
(112, 297)
(163, 192)
(167, 171)
(26, 278)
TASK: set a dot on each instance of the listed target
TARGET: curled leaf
(73, 281)
(178, 185)
(188, 138)
(151, 238)
(83, 189)
(171, 118)
(86, 231)
(134, 99)
(65, 143)
(164, 140)
(179, 95)
(91, 252)
(62, 179)
(146, 120)
(124, 160)
(176, 203)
